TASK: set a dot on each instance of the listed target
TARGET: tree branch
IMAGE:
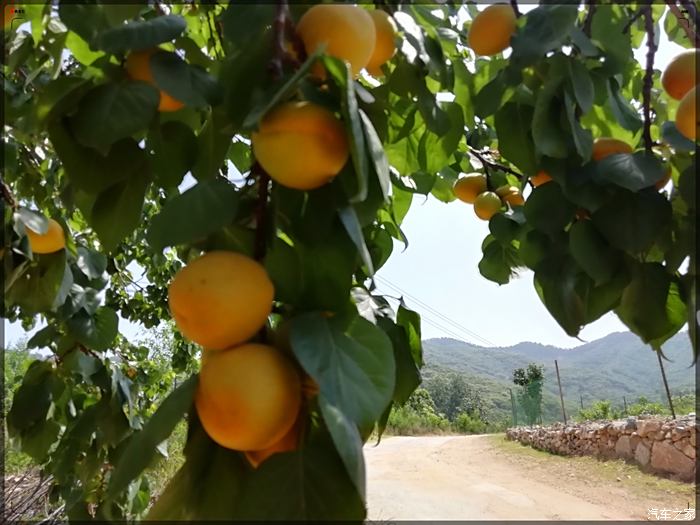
(7, 194)
(491, 163)
(648, 76)
(633, 19)
(588, 22)
(261, 210)
(686, 24)
(514, 5)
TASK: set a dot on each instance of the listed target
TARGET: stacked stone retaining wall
(658, 445)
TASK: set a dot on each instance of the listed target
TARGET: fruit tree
(255, 163)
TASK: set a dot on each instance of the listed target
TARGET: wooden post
(561, 395)
(624, 401)
(581, 398)
(668, 392)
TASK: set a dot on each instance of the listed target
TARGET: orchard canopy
(255, 163)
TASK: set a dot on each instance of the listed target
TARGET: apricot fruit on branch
(492, 29)
(468, 188)
(138, 67)
(301, 145)
(487, 205)
(679, 76)
(347, 31)
(606, 146)
(385, 44)
(220, 299)
(686, 115)
(248, 397)
(52, 241)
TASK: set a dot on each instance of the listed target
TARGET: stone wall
(658, 445)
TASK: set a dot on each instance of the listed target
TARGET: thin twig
(648, 77)
(686, 24)
(491, 163)
(261, 210)
(588, 22)
(633, 19)
(514, 5)
(7, 194)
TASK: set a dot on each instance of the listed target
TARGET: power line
(471, 334)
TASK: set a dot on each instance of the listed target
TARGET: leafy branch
(648, 76)
(492, 164)
(688, 28)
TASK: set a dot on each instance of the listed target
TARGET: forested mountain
(608, 368)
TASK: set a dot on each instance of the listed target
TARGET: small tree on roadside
(530, 381)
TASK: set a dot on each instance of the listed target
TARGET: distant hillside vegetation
(609, 368)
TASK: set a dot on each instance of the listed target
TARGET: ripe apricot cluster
(679, 80)
(249, 394)
(472, 188)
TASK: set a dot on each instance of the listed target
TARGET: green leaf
(410, 322)
(631, 171)
(43, 338)
(607, 32)
(142, 446)
(87, 20)
(633, 221)
(352, 225)
(279, 94)
(117, 210)
(495, 263)
(348, 443)
(310, 484)
(556, 280)
(140, 35)
(175, 152)
(244, 23)
(583, 138)
(407, 373)
(113, 111)
(32, 400)
(547, 27)
(582, 84)
(671, 136)
(513, 128)
(621, 109)
(213, 143)
(377, 154)
(550, 139)
(87, 169)
(547, 209)
(534, 247)
(198, 212)
(189, 84)
(82, 364)
(342, 75)
(359, 353)
(651, 305)
(37, 441)
(492, 96)
(96, 332)
(36, 290)
(36, 222)
(592, 253)
(92, 263)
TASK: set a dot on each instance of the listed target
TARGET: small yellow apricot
(540, 178)
(468, 188)
(606, 146)
(686, 115)
(301, 145)
(248, 397)
(679, 76)
(492, 29)
(385, 46)
(487, 205)
(220, 299)
(52, 241)
(138, 67)
(346, 30)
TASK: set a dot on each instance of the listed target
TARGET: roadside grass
(614, 471)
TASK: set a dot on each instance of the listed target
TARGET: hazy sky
(439, 269)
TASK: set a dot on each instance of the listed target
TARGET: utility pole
(581, 398)
(668, 392)
(624, 401)
(561, 395)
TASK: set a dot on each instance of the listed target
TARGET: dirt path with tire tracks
(472, 478)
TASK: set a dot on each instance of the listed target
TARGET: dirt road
(472, 478)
